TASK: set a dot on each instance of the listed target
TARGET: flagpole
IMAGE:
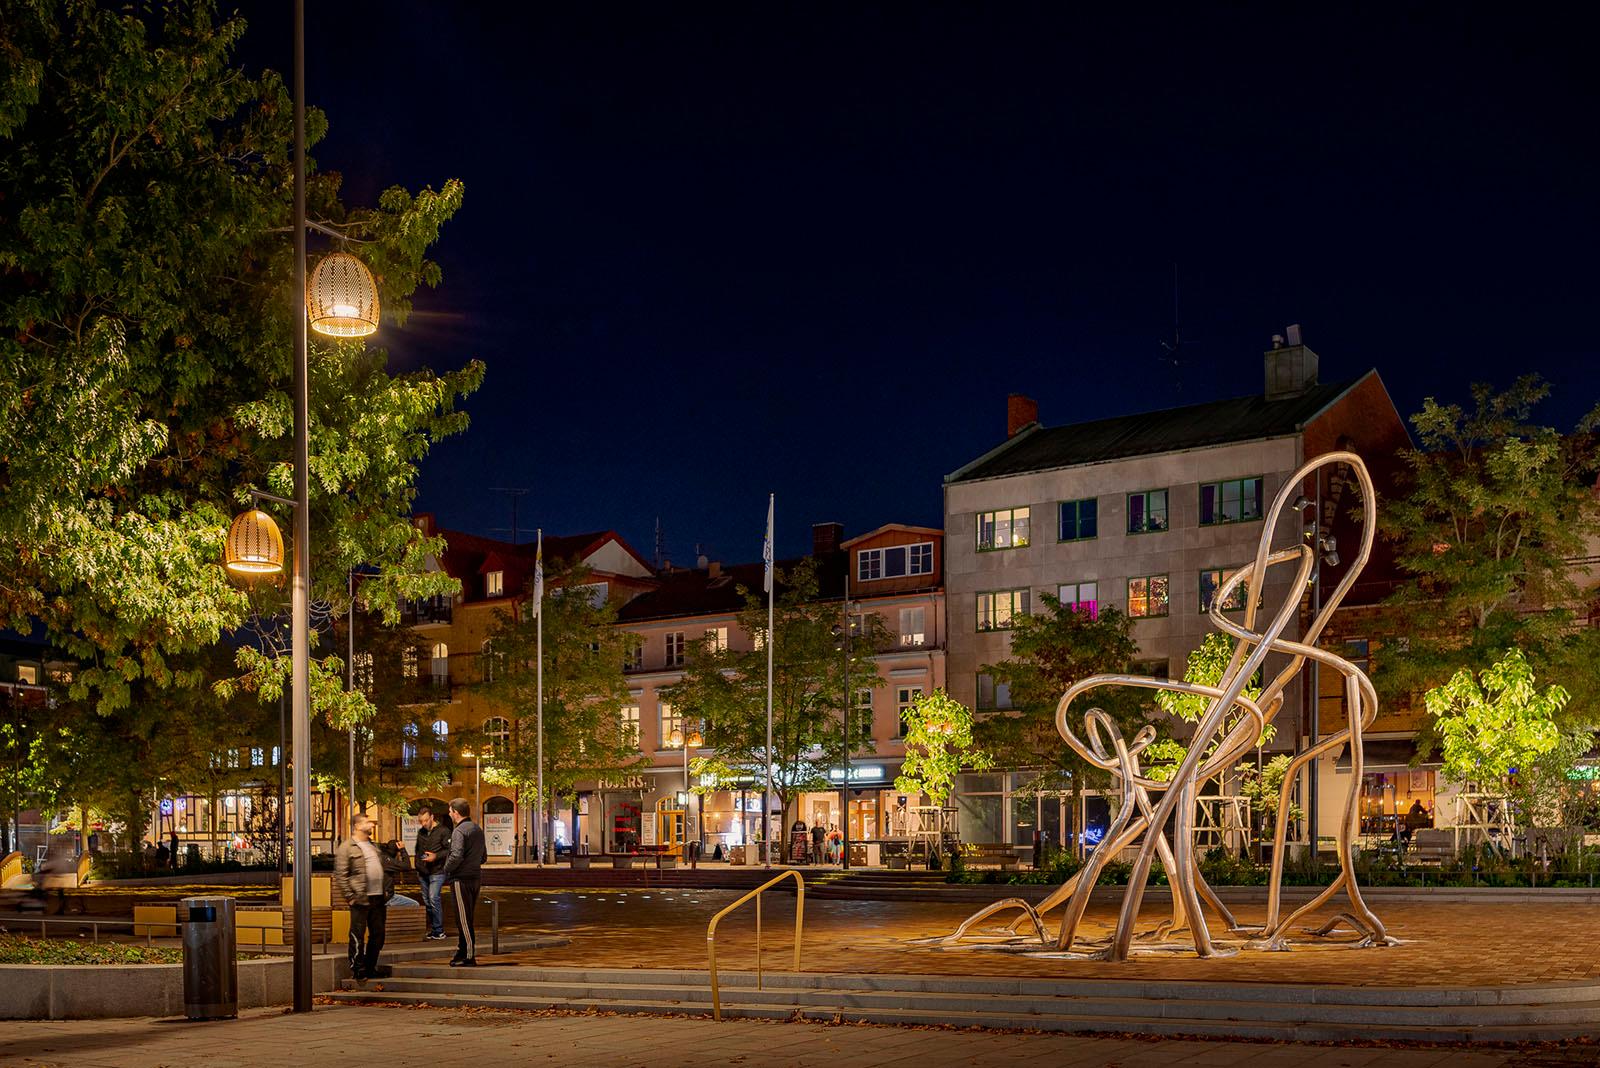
(538, 608)
(766, 801)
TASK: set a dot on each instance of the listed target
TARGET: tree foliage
(1205, 665)
(145, 360)
(939, 744)
(1499, 721)
(1492, 509)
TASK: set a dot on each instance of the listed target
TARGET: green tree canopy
(145, 361)
(939, 744)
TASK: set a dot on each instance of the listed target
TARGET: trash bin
(210, 958)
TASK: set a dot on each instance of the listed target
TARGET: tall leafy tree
(584, 690)
(1492, 509)
(725, 690)
(939, 743)
(145, 355)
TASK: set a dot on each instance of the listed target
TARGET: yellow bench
(158, 921)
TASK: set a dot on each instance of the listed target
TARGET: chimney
(1020, 412)
(1291, 367)
(825, 538)
(714, 569)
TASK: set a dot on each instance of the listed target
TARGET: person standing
(463, 870)
(173, 844)
(819, 835)
(358, 872)
(433, 847)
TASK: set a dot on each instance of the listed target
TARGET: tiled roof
(468, 556)
(697, 592)
(1192, 426)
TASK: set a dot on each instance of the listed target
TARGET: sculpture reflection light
(1227, 729)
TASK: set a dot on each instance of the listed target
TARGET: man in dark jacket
(433, 846)
(463, 871)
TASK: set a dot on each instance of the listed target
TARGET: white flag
(538, 576)
(766, 551)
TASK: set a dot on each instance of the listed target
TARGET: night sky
(710, 251)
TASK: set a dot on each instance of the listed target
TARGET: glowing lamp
(694, 741)
(254, 546)
(675, 739)
(341, 297)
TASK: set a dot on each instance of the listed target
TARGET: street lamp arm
(263, 495)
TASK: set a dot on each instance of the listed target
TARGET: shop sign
(859, 773)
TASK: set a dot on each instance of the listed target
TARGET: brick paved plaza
(484, 1038)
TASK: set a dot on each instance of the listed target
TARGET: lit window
(1007, 529)
(361, 670)
(441, 664)
(258, 756)
(1079, 520)
(913, 626)
(497, 732)
(408, 747)
(717, 639)
(410, 660)
(1147, 596)
(904, 698)
(675, 648)
(28, 674)
(494, 584)
(1080, 597)
(992, 694)
(633, 656)
(1233, 501)
(998, 608)
(630, 724)
(670, 721)
(441, 739)
(1211, 580)
(1147, 511)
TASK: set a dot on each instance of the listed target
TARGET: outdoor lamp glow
(254, 546)
(694, 741)
(675, 739)
(341, 297)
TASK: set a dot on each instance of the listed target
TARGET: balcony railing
(432, 610)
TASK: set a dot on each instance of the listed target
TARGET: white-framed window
(258, 756)
(675, 648)
(408, 744)
(717, 639)
(992, 695)
(914, 626)
(633, 655)
(1080, 597)
(361, 671)
(629, 714)
(494, 584)
(895, 561)
(490, 660)
(1006, 528)
(441, 739)
(864, 699)
(998, 608)
(441, 664)
(904, 698)
(497, 733)
(277, 755)
(670, 720)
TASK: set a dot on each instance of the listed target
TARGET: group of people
(827, 842)
(162, 853)
(450, 848)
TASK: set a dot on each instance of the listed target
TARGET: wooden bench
(990, 855)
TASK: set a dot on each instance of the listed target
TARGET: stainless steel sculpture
(1229, 727)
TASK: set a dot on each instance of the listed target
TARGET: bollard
(494, 926)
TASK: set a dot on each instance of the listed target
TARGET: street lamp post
(849, 699)
(692, 740)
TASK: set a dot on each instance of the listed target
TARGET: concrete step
(1001, 1018)
(1078, 1005)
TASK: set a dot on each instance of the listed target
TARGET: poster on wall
(499, 832)
(1419, 782)
(408, 831)
(647, 830)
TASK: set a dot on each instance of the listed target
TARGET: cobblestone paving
(482, 1038)
(1443, 943)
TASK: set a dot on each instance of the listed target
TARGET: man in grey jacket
(463, 871)
(362, 873)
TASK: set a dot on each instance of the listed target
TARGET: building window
(1080, 597)
(1211, 581)
(675, 648)
(1147, 511)
(913, 626)
(904, 698)
(993, 695)
(717, 639)
(28, 674)
(410, 662)
(361, 664)
(441, 664)
(441, 739)
(1233, 501)
(1007, 529)
(258, 756)
(629, 715)
(1079, 520)
(1147, 596)
(494, 583)
(497, 734)
(896, 561)
(408, 745)
(671, 721)
(277, 755)
(997, 608)
(633, 656)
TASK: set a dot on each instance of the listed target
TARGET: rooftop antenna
(513, 492)
(660, 545)
(1172, 351)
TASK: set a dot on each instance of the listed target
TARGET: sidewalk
(483, 1038)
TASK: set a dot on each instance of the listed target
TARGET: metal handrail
(799, 923)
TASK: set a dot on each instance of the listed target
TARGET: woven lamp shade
(255, 547)
(694, 741)
(341, 297)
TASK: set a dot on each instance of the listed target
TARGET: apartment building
(1148, 512)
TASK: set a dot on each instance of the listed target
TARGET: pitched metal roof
(1173, 429)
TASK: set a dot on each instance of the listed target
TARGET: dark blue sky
(713, 250)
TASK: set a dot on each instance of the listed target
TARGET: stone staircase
(1276, 1011)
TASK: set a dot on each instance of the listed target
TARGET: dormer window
(495, 583)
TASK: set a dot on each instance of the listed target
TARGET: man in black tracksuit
(463, 870)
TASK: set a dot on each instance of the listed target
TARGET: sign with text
(499, 833)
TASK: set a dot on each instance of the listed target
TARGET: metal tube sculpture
(1230, 726)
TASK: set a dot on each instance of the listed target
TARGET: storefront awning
(1385, 754)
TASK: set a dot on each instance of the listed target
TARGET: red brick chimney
(1020, 412)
